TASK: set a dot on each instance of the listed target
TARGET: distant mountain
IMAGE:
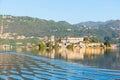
(90, 23)
(113, 23)
(110, 23)
(28, 26)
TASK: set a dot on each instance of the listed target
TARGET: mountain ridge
(28, 26)
(108, 23)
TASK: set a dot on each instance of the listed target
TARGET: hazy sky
(72, 11)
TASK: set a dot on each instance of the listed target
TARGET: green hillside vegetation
(28, 26)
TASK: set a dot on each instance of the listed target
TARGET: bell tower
(1, 27)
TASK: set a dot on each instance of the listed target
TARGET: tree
(42, 45)
(107, 41)
(70, 47)
(49, 45)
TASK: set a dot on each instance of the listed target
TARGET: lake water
(88, 64)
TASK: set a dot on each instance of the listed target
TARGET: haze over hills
(110, 23)
(28, 26)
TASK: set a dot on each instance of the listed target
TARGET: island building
(73, 39)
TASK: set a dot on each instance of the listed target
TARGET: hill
(110, 24)
(109, 28)
(28, 26)
(34, 27)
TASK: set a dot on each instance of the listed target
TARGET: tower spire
(1, 32)
(1, 28)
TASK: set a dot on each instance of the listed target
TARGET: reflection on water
(98, 57)
(16, 66)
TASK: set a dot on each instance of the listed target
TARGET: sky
(72, 11)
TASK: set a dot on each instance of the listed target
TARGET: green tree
(42, 45)
(107, 41)
(107, 44)
(70, 47)
(49, 45)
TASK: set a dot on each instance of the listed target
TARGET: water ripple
(15, 66)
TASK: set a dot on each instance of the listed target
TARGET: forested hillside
(28, 26)
(35, 27)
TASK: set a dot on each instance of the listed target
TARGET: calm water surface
(28, 64)
(95, 57)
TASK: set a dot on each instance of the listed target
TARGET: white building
(21, 37)
(52, 38)
(73, 40)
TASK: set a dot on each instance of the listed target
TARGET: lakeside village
(12, 39)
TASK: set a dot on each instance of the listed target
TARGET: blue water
(16, 66)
